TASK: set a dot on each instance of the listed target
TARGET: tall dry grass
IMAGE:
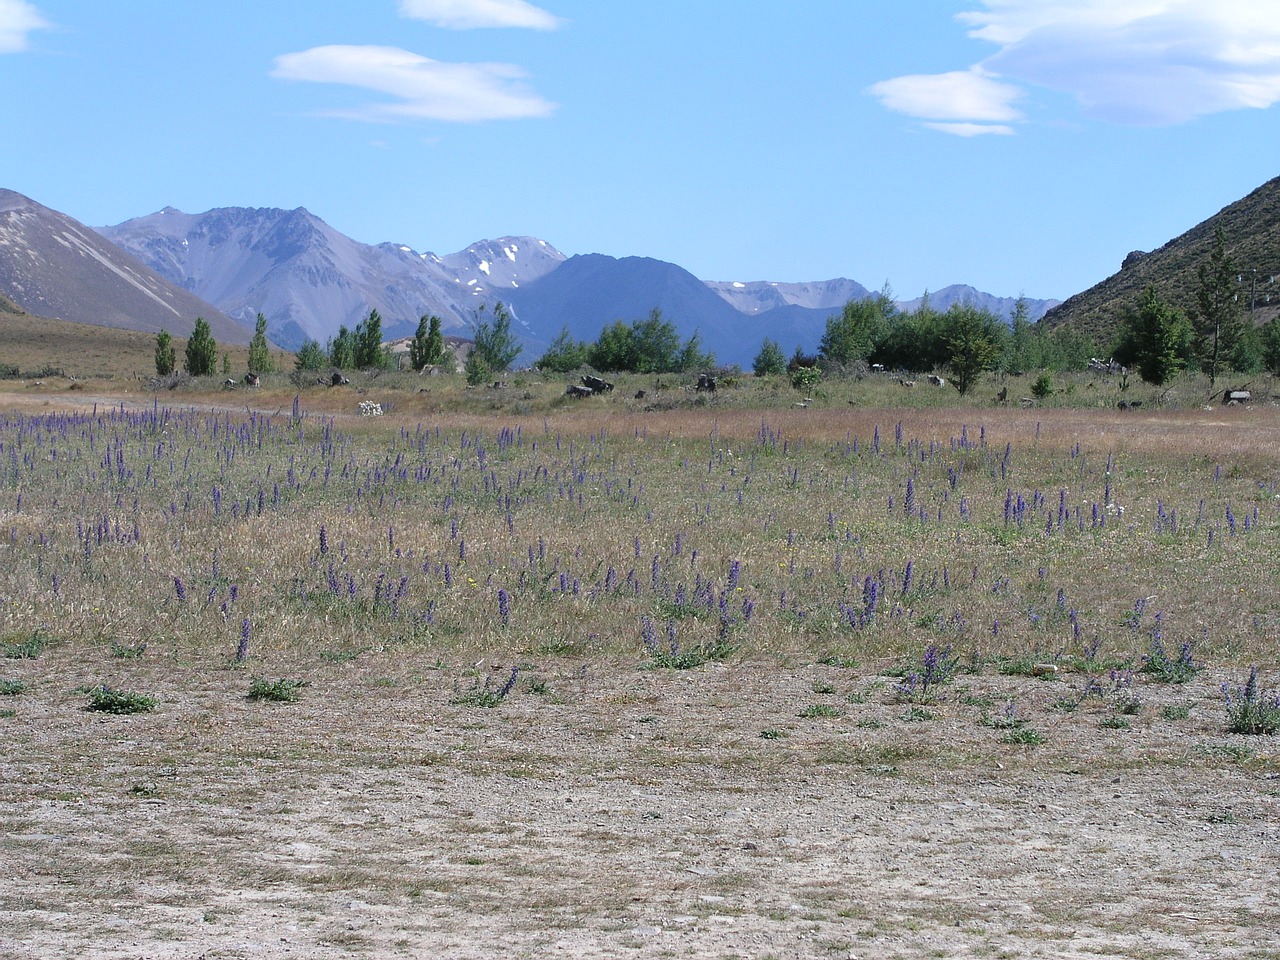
(789, 534)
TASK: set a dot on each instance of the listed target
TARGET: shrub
(489, 695)
(25, 648)
(1160, 666)
(1025, 736)
(1249, 710)
(276, 691)
(106, 700)
(820, 710)
(1042, 389)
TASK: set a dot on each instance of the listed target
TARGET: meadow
(663, 676)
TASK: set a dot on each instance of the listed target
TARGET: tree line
(964, 340)
(200, 357)
(651, 345)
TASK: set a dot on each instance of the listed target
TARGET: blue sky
(1022, 146)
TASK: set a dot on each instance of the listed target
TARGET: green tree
(564, 354)
(973, 341)
(477, 369)
(693, 357)
(495, 344)
(1218, 323)
(1269, 336)
(427, 348)
(202, 350)
(166, 354)
(615, 349)
(342, 349)
(770, 361)
(852, 336)
(1020, 348)
(657, 344)
(367, 346)
(311, 356)
(1155, 339)
(259, 350)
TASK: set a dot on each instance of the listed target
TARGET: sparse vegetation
(104, 699)
(283, 690)
(685, 579)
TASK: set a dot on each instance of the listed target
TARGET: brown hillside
(1252, 230)
(37, 344)
(54, 266)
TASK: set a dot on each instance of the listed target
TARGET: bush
(276, 691)
(804, 378)
(106, 700)
(26, 648)
(1250, 711)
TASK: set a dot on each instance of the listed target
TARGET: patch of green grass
(821, 710)
(104, 699)
(126, 651)
(11, 688)
(845, 663)
(1176, 711)
(25, 648)
(339, 656)
(916, 715)
(771, 734)
(1024, 735)
(1232, 751)
(690, 657)
(275, 691)
(1115, 722)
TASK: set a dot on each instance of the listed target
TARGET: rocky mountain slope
(1251, 227)
(54, 266)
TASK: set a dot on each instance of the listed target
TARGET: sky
(1021, 146)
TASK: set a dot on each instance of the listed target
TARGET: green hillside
(1252, 230)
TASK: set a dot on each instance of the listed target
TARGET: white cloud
(468, 14)
(17, 19)
(425, 89)
(972, 129)
(1140, 62)
(960, 95)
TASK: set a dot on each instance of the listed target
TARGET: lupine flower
(242, 650)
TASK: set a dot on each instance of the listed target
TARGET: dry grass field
(493, 674)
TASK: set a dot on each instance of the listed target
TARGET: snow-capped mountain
(308, 279)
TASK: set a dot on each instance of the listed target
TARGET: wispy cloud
(972, 129)
(470, 14)
(17, 19)
(423, 89)
(972, 95)
(1138, 62)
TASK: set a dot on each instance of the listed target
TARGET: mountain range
(308, 279)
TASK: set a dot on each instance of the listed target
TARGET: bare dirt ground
(623, 812)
